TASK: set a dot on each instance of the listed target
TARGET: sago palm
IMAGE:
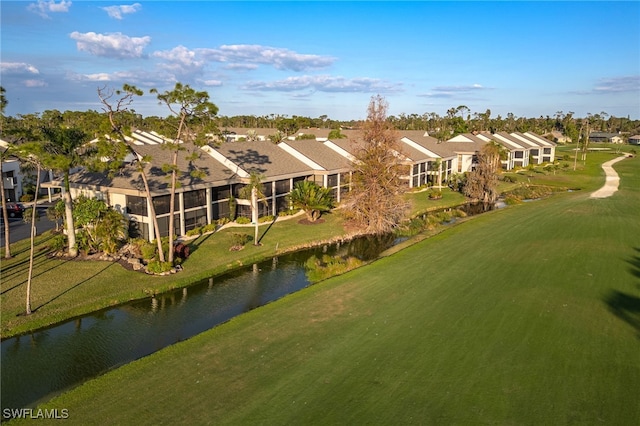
(312, 198)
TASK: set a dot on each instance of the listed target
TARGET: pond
(39, 365)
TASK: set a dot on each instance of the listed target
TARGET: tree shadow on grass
(195, 244)
(74, 287)
(635, 264)
(42, 240)
(57, 265)
(266, 230)
(627, 306)
(22, 266)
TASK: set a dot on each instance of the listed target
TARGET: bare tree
(118, 139)
(33, 154)
(5, 215)
(375, 202)
(482, 183)
(3, 155)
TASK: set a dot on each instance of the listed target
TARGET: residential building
(605, 137)
(211, 181)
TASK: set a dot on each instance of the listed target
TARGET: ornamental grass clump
(329, 266)
(238, 240)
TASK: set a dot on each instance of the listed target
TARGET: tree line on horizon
(457, 120)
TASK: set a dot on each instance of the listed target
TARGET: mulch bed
(306, 221)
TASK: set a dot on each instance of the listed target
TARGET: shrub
(528, 192)
(26, 198)
(100, 227)
(242, 220)
(223, 221)
(238, 240)
(329, 266)
(443, 217)
(511, 199)
(434, 194)
(58, 242)
(209, 228)
(335, 134)
(156, 267)
(194, 232)
(305, 136)
(266, 219)
(458, 213)
(411, 228)
(148, 250)
(509, 179)
(288, 212)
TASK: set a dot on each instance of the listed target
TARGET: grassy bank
(64, 289)
(526, 315)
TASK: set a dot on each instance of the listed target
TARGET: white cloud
(618, 84)
(241, 67)
(115, 45)
(18, 68)
(101, 76)
(453, 91)
(326, 83)
(43, 7)
(180, 61)
(116, 12)
(185, 63)
(212, 83)
(35, 83)
(279, 58)
(133, 77)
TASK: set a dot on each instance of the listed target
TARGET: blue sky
(327, 58)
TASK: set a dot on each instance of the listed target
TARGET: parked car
(15, 209)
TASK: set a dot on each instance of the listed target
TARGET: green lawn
(526, 315)
(64, 289)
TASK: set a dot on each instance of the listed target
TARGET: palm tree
(254, 190)
(312, 198)
(64, 145)
(438, 165)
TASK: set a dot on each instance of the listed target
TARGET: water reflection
(37, 366)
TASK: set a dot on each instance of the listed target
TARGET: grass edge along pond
(64, 289)
(525, 315)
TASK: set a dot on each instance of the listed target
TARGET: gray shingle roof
(129, 178)
(320, 154)
(263, 157)
(419, 137)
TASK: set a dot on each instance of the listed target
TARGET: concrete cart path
(612, 179)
